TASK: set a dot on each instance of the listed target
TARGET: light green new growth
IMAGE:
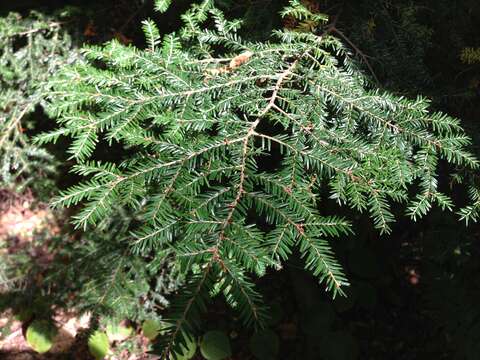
(198, 111)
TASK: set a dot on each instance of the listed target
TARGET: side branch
(251, 132)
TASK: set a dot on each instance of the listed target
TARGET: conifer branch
(197, 111)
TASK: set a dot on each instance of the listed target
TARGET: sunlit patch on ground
(21, 218)
(27, 228)
(13, 345)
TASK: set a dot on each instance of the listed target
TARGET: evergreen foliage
(470, 55)
(32, 49)
(394, 38)
(108, 279)
(199, 114)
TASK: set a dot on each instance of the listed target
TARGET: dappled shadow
(29, 237)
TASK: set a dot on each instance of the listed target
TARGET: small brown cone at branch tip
(240, 59)
(236, 62)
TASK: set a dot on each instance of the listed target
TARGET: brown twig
(333, 28)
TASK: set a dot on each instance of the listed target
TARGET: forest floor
(26, 227)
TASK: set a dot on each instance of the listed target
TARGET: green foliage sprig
(32, 49)
(200, 111)
(470, 55)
